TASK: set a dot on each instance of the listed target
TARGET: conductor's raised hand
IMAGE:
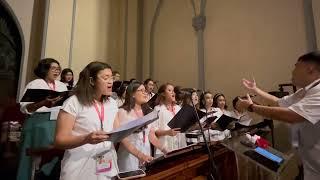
(96, 137)
(250, 85)
(173, 132)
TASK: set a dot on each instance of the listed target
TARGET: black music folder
(184, 119)
(125, 130)
(202, 114)
(187, 117)
(36, 95)
(152, 102)
(208, 121)
(224, 120)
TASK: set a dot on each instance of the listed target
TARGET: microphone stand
(213, 169)
(209, 127)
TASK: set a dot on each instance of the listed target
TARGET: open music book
(224, 120)
(152, 102)
(125, 130)
(187, 117)
(36, 95)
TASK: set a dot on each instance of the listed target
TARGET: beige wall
(252, 38)
(242, 39)
(249, 38)
(130, 67)
(35, 48)
(316, 12)
(175, 43)
(95, 36)
(58, 34)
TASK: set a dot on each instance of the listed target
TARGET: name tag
(103, 163)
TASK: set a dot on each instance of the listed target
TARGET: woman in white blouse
(47, 71)
(135, 149)
(206, 102)
(219, 103)
(82, 127)
(171, 138)
(215, 106)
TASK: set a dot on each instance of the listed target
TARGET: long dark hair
(85, 91)
(187, 99)
(129, 101)
(202, 99)
(122, 89)
(43, 67)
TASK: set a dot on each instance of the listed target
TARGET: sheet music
(125, 130)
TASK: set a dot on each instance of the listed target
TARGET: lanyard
(172, 110)
(52, 87)
(144, 132)
(100, 113)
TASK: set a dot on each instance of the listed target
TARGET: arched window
(10, 57)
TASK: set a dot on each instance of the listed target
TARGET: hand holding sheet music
(173, 132)
(224, 120)
(208, 121)
(125, 130)
(37, 95)
(96, 137)
(187, 117)
(184, 119)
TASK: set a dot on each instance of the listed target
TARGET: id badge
(103, 164)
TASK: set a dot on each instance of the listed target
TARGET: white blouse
(140, 140)
(306, 134)
(79, 163)
(170, 142)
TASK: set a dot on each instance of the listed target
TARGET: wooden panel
(195, 165)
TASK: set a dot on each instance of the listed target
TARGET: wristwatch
(250, 109)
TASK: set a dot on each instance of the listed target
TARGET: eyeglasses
(142, 90)
(53, 69)
(109, 79)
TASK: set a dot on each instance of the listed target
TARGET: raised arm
(252, 87)
(280, 113)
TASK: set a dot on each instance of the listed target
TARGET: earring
(90, 81)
